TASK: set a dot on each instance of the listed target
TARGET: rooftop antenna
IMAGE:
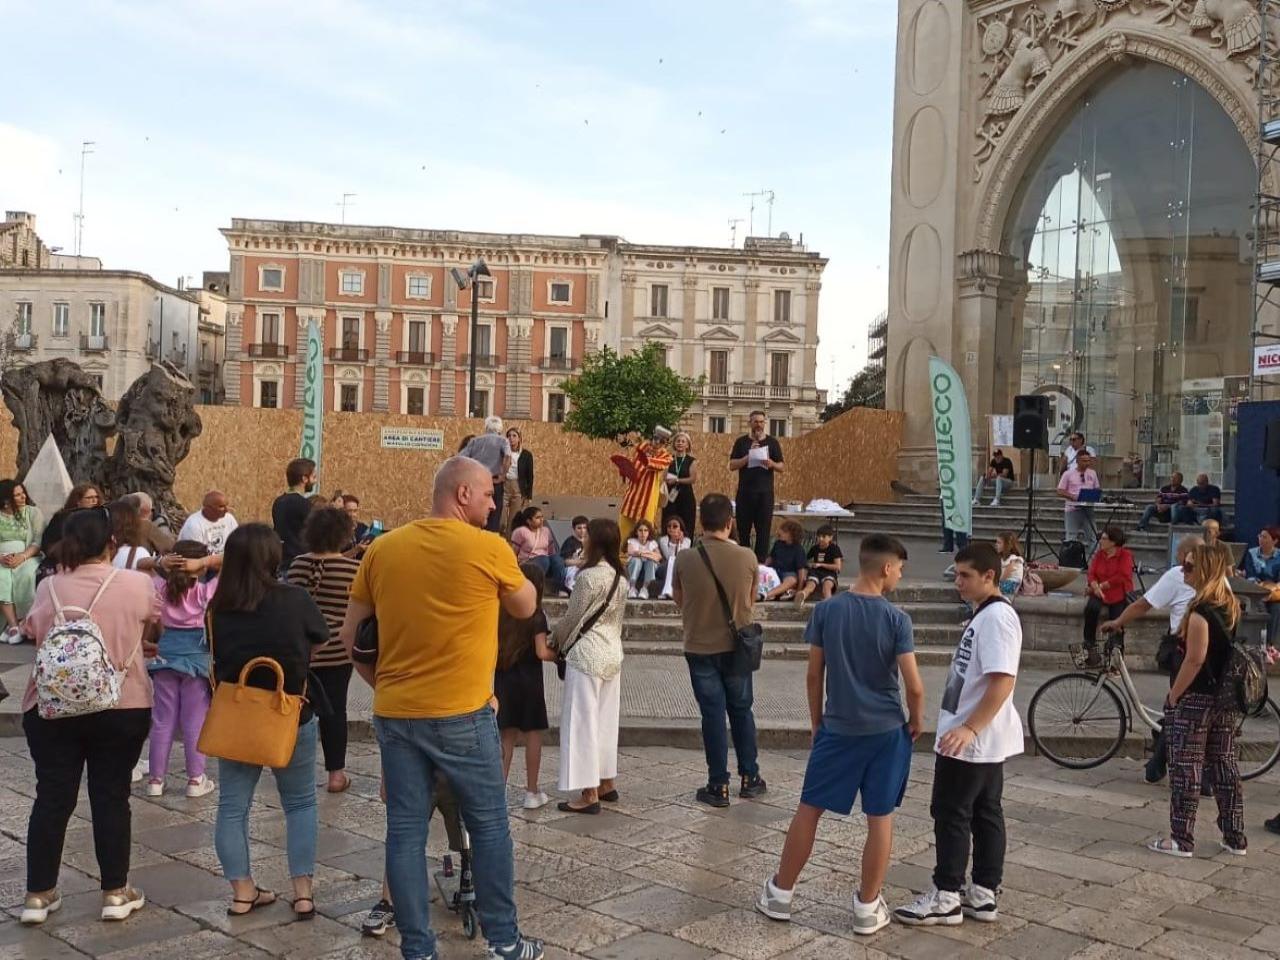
(768, 197)
(346, 199)
(733, 231)
(84, 152)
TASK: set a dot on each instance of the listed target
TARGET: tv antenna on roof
(346, 201)
(84, 152)
(751, 222)
(733, 231)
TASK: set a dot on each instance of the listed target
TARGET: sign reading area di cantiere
(412, 438)
(1266, 360)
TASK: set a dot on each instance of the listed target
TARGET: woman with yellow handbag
(261, 633)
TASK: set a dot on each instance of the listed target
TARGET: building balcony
(269, 351)
(415, 358)
(758, 391)
(558, 363)
(22, 342)
(348, 354)
(482, 360)
(92, 344)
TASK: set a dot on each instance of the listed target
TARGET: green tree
(866, 389)
(616, 395)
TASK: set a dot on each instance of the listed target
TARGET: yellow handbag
(248, 724)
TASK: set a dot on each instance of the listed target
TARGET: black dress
(685, 504)
(522, 705)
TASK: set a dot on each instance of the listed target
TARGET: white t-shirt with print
(212, 533)
(991, 644)
(1171, 593)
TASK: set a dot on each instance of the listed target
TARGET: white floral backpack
(73, 672)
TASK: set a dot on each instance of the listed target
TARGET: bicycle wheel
(1076, 722)
(1258, 742)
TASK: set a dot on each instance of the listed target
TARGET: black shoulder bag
(587, 624)
(748, 641)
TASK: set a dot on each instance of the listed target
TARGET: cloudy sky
(647, 120)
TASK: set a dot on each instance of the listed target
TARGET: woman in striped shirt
(326, 574)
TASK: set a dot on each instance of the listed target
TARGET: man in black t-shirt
(756, 457)
(290, 510)
(999, 472)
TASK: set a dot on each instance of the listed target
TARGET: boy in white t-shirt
(978, 729)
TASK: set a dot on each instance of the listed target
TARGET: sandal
(346, 783)
(304, 914)
(253, 904)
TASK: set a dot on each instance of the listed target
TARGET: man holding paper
(756, 457)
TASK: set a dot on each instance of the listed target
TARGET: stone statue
(56, 397)
(1029, 61)
(154, 425)
(1234, 21)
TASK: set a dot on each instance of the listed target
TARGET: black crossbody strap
(724, 599)
(596, 614)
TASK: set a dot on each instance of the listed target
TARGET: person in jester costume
(644, 472)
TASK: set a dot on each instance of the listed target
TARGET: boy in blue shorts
(859, 645)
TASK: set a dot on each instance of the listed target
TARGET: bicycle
(1080, 719)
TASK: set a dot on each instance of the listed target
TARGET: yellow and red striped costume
(644, 473)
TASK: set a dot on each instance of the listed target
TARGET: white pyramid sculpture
(48, 482)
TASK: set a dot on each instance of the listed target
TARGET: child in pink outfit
(180, 673)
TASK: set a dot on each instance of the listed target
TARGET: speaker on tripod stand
(1031, 433)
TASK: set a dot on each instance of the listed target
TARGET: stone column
(448, 351)
(519, 357)
(232, 357)
(987, 341)
(381, 359)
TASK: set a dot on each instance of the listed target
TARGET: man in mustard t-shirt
(435, 586)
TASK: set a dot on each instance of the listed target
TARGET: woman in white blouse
(671, 543)
(589, 637)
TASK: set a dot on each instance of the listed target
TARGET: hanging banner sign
(1266, 360)
(951, 433)
(313, 397)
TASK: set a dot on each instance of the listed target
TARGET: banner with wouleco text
(950, 409)
(313, 396)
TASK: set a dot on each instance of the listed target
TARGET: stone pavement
(659, 877)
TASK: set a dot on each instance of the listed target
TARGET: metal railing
(482, 360)
(559, 363)
(23, 342)
(92, 344)
(269, 351)
(420, 358)
(348, 354)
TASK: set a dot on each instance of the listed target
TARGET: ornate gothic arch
(1036, 121)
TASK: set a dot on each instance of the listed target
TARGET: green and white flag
(951, 433)
(313, 396)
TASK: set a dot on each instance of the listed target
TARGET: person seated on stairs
(999, 472)
(787, 560)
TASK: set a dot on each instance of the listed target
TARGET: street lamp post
(464, 281)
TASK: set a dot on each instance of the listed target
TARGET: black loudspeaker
(1031, 422)
(1271, 446)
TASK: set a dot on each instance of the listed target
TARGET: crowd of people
(458, 675)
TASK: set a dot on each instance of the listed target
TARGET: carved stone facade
(983, 89)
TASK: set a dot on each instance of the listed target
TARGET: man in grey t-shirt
(493, 450)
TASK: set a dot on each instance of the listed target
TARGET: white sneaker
(201, 787)
(869, 917)
(535, 801)
(11, 636)
(155, 788)
(994, 503)
(120, 906)
(774, 903)
(37, 909)
(1169, 847)
(1234, 851)
(932, 908)
(633, 594)
(979, 903)
(139, 772)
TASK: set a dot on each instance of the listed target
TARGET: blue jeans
(640, 573)
(553, 566)
(296, 785)
(1001, 484)
(467, 750)
(719, 689)
(1191, 514)
(953, 540)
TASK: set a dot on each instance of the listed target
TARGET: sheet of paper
(756, 456)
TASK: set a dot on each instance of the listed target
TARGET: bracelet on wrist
(970, 727)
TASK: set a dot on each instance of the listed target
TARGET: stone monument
(152, 427)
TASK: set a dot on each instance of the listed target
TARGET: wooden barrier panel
(243, 451)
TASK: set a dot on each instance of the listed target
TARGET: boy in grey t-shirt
(859, 645)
